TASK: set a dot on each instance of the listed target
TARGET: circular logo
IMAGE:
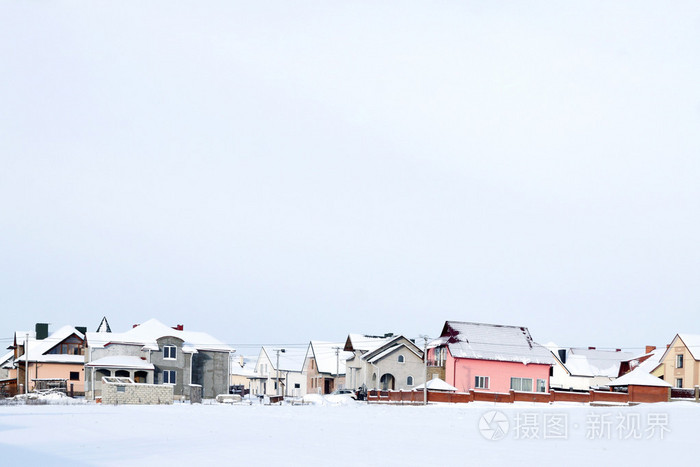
(494, 425)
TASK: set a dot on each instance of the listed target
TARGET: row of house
(466, 356)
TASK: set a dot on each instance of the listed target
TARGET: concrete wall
(389, 364)
(210, 370)
(113, 393)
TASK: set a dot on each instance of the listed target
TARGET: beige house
(324, 367)
(681, 361)
(44, 361)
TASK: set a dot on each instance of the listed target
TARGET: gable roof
(147, 334)
(690, 341)
(104, 325)
(594, 362)
(365, 343)
(7, 359)
(390, 346)
(38, 348)
(481, 341)
(324, 353)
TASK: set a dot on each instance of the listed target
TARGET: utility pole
(425, 367)
(337, 364)
(278, 369)
(26, 363)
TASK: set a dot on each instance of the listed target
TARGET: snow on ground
(346, 433)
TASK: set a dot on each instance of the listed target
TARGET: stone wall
(121, 393)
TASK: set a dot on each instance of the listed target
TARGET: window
(401, 359)
(409, 381)
(521, 384)
(297, 386)
(170, 352)
(121, 388)
(169, 377)
(541, 385)
(75, 376)
(679, 382)
(481, 382)
(679, 361)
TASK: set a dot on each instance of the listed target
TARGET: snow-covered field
(348, 433)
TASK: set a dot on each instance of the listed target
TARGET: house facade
(680, 362)
(488, 357)
(324, 367)
(387, 363)
(49, 361)
(289, 381)
(154, 353)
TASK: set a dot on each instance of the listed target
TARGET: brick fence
(636, 394)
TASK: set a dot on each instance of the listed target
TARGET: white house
(585, 368)
(292, 380)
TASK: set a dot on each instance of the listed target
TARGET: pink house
(489, 357)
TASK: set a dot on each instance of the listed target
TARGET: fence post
(697, 393)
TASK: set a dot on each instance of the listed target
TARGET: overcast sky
(280, 171)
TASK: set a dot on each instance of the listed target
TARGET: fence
(636, 394)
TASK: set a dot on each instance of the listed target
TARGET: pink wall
(460, 373)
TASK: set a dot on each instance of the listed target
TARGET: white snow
(438, 385)
(324, 433)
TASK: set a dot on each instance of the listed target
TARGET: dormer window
(169, 352)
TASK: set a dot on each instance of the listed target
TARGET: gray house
(154, 353)
(383, 362)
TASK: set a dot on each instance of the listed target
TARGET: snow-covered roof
(365, 343)
(436, 384)
(494, 342)
(594, 362)
(246, 369)
(292, 359)
(38, 348)
(692, 342)
(327, 361)
(639, 377)
(7, 359)
(392, 345)
(148, 333)
(120, 361)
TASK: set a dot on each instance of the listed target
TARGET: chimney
(179, 327)
(42, 331)
(649, 348)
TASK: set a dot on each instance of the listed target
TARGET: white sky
(274, 172)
